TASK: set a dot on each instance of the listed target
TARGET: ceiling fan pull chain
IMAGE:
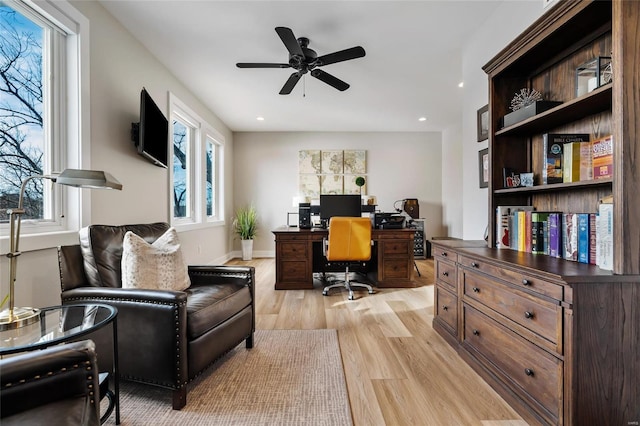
(304, 86)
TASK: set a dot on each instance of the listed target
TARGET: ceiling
(411, 69)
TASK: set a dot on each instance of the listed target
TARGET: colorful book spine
(602, 153)
(604, 237)
(592, 238)
(583, 237)
(555, 235)
(553, 144)
(503, 232)
(522, 225)
(527, 231)
(570, 236)
(538, 220)
(572, 160)
(586, 161)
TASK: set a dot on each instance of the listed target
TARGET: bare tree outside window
(21, 112)
(180, 167)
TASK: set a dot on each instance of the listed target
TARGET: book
(570, 236)
(538, 238)
(503, 214)
(574, 161)
(586, 161)
(555, 234)
(527, 231)
(604, 236)
(553, 144)
(522, 226)
(583, 237)
(592, 238)
(602, 153)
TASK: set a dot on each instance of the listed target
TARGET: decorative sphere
(360, 181)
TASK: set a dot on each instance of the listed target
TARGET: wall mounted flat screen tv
(151, 134)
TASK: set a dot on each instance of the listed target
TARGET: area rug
(290, 377)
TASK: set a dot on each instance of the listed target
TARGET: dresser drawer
(446, 272)
(540, 316)
(446, 309)
(532, 372)
(519, 279)
(444, 253)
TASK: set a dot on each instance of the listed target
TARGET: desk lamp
(19, 317)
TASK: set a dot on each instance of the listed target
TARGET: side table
(59, 324)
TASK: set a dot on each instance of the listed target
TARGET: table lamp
(19, 317)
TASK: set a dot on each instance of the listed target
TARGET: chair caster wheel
(325, 293)
(371, 292)
(351, 297)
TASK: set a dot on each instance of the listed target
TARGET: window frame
(203, 132)
(69, 128)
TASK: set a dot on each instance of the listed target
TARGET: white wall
(452, 182)
(399, 165)
(508, 21)
(120, 67)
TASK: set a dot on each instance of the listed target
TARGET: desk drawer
(540, 316)
(294, 250)
(403, 248)
(517, 278)
(446, 272)
(446, 309)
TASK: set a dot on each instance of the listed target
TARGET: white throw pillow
(154, 266)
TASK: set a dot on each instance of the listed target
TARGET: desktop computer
(304, 215)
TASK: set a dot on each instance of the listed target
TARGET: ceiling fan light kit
(305, 60)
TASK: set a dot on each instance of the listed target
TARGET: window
(41, 65)
(196, 169)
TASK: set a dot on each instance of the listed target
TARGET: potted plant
(245, 225)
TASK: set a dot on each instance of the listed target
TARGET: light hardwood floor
(398, 370)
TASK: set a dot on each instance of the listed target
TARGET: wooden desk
(392, 265)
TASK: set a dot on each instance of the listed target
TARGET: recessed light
(260, 118)
(461, 84)
(422, 119)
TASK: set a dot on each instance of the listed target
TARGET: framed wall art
(483, 123)
(483, 167)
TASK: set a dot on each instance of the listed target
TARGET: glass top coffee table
(59, 324)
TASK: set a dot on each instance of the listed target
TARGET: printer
(387, 220)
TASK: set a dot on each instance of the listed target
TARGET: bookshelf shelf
(591, 103)
(556, 187)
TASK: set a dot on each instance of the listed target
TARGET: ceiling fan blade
(261, 65)
(290, 41)
(343, 55)
(291, 83)
(330, 80)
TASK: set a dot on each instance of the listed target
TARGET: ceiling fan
(304, 60)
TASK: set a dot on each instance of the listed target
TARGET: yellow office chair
(349, 242)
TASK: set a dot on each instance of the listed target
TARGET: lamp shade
(87, 179)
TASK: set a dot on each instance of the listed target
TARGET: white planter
(247, 249)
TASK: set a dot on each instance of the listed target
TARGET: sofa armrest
(59, 382)
(217, 274)
(152, 331)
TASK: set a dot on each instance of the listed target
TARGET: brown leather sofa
(53, 386)
(165, 338)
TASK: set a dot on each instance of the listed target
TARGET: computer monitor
(339, 205)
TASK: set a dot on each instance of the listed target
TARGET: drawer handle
(444, 253)
(475, 289)
(476, 332)
(528, 372)
(445, 308)
(528, 314)
(474, 265)
(526, 282)
(446, 274)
